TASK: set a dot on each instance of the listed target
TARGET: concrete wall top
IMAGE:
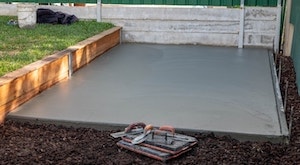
(261, 13)
(170, 13)
(8, 9)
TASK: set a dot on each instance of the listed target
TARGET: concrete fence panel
(181, 24)
(260, 26)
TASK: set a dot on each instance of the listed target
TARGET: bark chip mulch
(26, 143)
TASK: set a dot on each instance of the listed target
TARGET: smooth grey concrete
(219, 89)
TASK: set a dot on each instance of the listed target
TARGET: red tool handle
(167, 128)
(135, 125)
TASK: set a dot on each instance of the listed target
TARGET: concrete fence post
(278, 26)
(99, 10)
(242, 24)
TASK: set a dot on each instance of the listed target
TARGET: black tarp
(51, 17)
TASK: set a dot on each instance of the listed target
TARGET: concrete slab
(200, 88)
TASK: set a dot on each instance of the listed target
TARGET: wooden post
(288, 30)
(79, 4)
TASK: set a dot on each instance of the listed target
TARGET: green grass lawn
(19, 47)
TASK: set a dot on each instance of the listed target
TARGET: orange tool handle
(163, 131)
(167, 128)
(148, 127)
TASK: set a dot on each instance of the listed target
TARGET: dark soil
(25, 143)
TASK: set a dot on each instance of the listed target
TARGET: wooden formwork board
(87, 50)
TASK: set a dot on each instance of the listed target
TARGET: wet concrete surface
(219, 89)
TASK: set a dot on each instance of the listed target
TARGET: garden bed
(21, 85)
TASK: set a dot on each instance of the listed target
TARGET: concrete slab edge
(279, 103)
(242, 137)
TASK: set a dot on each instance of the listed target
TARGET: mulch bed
(25, 143)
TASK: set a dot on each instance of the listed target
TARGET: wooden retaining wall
(21, 85)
